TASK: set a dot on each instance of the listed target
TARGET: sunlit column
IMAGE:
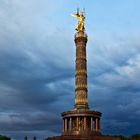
(77, 123)
(96, 124)
(85, 123)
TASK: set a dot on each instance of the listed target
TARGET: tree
(135, 137)
(4, 138)
(121, 137)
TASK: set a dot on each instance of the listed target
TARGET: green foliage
(132, 137)
(122, 137)
(4, 138)
(135, 137)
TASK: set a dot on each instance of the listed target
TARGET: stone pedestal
(83, 137)
(81, 122)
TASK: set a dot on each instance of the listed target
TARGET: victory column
(81, 122)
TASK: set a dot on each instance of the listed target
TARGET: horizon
(37, 67)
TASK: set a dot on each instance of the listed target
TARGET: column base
(81, 133)
(80, 123)
(81, 137)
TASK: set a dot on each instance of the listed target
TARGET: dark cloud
(37, 75)
(116, 91)
(32, 73)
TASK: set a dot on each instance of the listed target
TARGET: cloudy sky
(37, 64)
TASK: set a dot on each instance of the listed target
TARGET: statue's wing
(75, 15)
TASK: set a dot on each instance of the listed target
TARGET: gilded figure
(81, 18)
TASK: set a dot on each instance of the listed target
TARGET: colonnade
(79, 123)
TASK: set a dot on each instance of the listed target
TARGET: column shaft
(70, 124)
(99, 124)
(85, 123)
(81, 100)
(63, 125)
(66, 124)
(77, 123)
(91, 123)
(96, 124)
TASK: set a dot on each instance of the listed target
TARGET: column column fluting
(81, 99)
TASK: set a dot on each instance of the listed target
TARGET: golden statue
(81, 19)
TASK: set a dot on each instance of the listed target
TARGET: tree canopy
(4, 138)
